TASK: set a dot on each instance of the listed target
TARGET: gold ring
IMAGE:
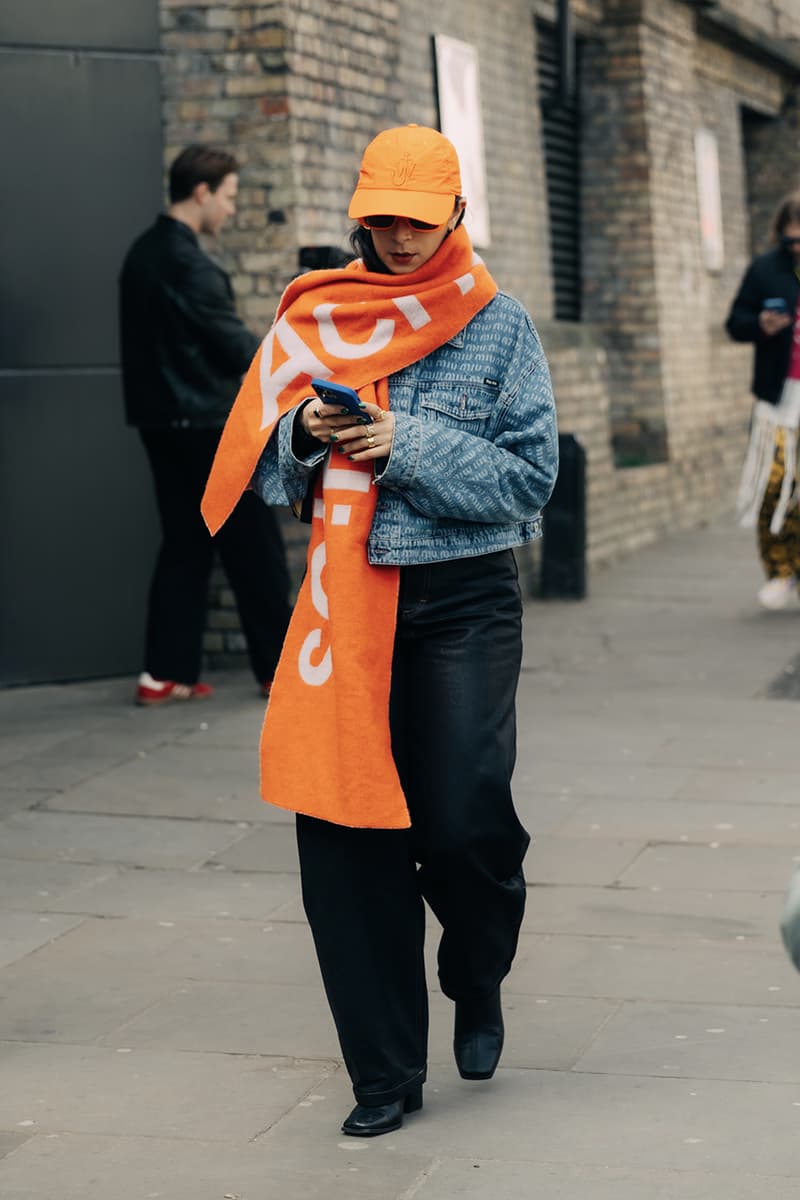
(370, 438)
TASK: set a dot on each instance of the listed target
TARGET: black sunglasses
(386, 221)
(791, 241)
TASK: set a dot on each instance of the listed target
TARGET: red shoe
(162, 691)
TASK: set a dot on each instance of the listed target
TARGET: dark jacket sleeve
(206, 300)
(742, 323)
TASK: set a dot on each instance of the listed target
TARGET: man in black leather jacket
(184, 351)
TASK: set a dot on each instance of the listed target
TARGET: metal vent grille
(561, 134)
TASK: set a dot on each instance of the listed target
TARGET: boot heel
(413, 1101)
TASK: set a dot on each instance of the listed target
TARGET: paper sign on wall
(462, 122)
(709, 199)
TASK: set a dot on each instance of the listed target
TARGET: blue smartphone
(338, 394)
(776, 304)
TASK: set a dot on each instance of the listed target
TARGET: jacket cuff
(296, 444)
(401, 465)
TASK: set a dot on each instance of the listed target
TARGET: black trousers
(249, 544)
(452, 714)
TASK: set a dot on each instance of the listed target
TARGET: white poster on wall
(462, 122)
(709, 198)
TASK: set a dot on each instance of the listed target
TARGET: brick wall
(298, 88)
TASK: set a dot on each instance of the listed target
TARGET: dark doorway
(82, 109)
(764, 184)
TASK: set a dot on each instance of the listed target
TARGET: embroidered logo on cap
(403, 170)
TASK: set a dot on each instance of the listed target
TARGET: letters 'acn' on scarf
(325, 746)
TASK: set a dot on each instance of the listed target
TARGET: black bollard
(564, 525)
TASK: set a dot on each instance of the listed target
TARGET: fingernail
(361, 404)
(351, 457)
(342, 450)
(362, 420)
(334, 438)
(345, 411)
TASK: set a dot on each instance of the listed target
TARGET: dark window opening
(561, 137)
(763, 182)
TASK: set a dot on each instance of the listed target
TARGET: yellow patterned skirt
(769, 491)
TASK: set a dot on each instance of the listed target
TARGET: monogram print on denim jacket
(475, 452)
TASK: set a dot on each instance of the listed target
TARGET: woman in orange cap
(391, 725)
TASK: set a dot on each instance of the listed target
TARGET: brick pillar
(619, 255)
(295, 90)
(224, 72)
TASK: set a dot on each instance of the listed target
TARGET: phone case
(337, 393)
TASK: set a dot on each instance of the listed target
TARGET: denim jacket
(475, 450)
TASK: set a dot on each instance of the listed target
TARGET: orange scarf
(326, 746)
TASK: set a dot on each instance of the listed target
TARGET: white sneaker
(778, 593)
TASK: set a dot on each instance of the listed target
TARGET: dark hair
(787, 213)
(361, 241)
(363, 246)
(199, 164)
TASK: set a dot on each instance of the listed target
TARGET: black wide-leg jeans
(452, 715)
(250, 546)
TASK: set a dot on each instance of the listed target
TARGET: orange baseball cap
(410, 171)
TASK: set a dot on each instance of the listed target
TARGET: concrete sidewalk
(163, 1028)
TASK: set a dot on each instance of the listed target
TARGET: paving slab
(223, 949)
(598, 739)
(579, 860)
(726, 747)
(62, 766)
(786, 684)
(698, 1041)
(714, 867)
(237, 731)
(15, 799)
(41, 1003)
(685, 821)
(475, 1179)
(37, 886)
(541, 812)
(166, 895)
(541, 1031)
(703, 972)
(20, 741)
(79, 1167)
(618, 780)
(583, 1119)
(647, 913)
(78, 837)
(22, 932)
(11, 1141)
(163, 1094)
(737, 785)
(234, 1018)
(171, 781)
(273, 848)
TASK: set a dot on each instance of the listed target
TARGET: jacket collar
(176, 228)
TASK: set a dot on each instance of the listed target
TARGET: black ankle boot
(478, 1037)
(369, 1122)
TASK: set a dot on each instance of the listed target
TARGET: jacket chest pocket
(460, 404)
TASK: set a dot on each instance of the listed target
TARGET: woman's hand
(773, 322)
(357, 437)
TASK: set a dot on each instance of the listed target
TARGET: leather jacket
(770, 275)
(184, 349)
